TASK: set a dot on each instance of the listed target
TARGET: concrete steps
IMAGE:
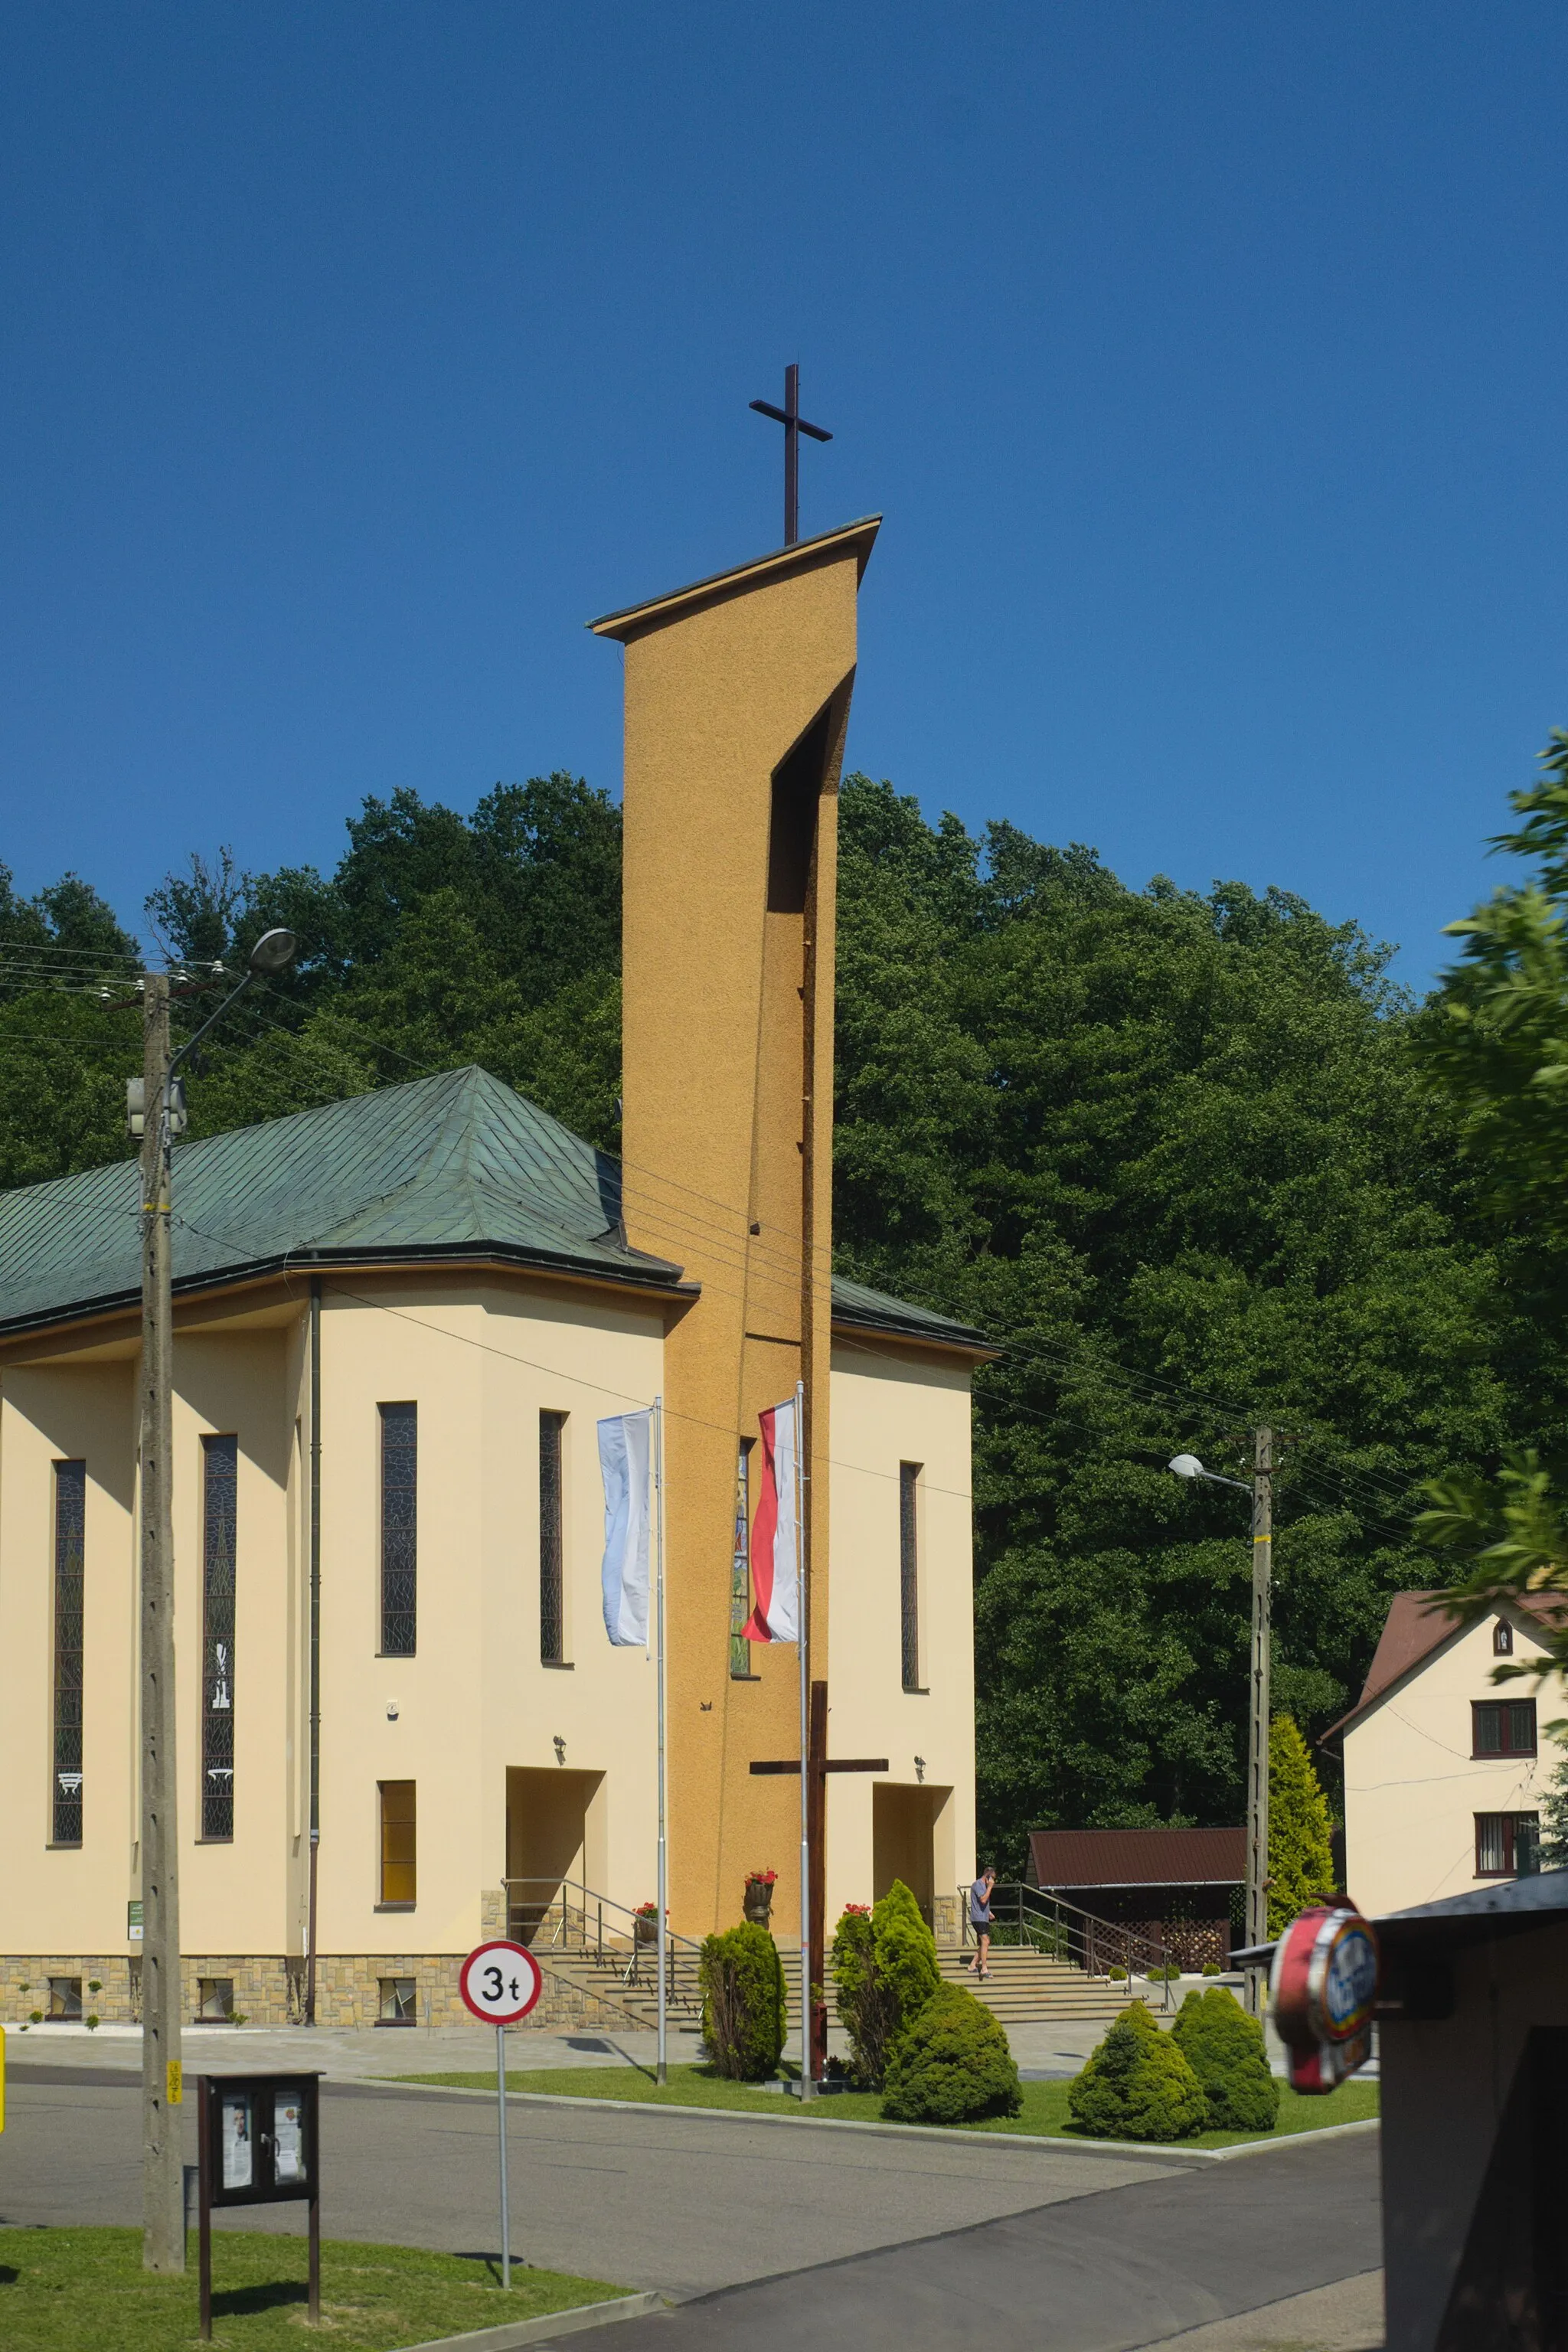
(1024, 1986)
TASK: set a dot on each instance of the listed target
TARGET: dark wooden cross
(795, 424)
(819, 1764)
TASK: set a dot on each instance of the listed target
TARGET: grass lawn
(1044, 2114)
(86, 2291)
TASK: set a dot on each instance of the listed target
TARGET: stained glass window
(220, 1481)
(551, 1598)
(399, 1529)
(741, 1568)
(909, 1572)
(70, 1531)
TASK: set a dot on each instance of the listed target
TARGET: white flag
(623, 1448)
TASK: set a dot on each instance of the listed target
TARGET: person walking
(981, 1921)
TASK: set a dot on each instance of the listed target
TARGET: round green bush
(1213, 1968)
(743, 2003)
(952, 2065)
(1226, 2051)
(1116, 1976)
(1137, 2085)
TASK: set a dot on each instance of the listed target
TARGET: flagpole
(663, 2074)
(807, 2087)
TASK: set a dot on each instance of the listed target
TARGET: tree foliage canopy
(1190, 1158)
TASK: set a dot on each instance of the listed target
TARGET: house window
(910, 1571)
(398, 2004)
(399, 1533)
(397, 1842)
(1506, 1843)
(1503, 1726)
(214, 2000)
(551, 1592)
(220, 1479)
(742, 1667)
(70, 1531)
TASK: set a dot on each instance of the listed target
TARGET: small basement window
(214, 2002)
(64, 2000)
(399, 2003)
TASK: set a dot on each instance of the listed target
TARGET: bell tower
(737, 700)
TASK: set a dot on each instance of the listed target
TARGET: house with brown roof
(1444, 1767)
(1174, 1887)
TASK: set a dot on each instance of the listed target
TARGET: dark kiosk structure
(257, 2145)
(1472, 2018)
(1473, 2038)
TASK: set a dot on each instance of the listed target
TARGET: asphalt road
(1114, 2268)
(642, 2199)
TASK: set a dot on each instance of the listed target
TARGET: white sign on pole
(499, 1983)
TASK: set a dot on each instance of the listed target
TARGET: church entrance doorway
(904, 1842)
(554, 1852)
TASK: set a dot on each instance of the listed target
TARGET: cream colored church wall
(71, 1898)
(68, 1900)
(1412, 1787)
(892, 1405)
(475, 1703)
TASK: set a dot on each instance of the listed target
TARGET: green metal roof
(441, 1167)
(872, 1310)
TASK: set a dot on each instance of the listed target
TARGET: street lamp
(1187, 1466)
(155, 1108)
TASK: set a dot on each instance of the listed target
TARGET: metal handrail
(561, 1914)
(1058, 1929)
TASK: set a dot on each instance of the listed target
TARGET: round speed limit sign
(499, 1982)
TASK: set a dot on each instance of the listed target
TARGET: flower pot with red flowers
(758, 1903)
(645, 1923)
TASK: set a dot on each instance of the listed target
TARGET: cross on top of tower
(795, 424)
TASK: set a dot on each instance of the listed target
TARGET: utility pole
(162, 2089)
(1258, 1732)
(158, 1104)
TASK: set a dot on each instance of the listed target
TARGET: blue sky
(1206, 362)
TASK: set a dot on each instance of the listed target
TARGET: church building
(398, 1320)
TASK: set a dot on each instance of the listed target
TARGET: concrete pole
(162, 2086)
(1258, 1734)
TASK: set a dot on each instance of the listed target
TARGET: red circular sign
(1323, 1989)
(499, 1982)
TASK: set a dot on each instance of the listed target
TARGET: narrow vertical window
(551, 1594)
(70, 1532)
(398, 1855)
(740, 1568)
(910, 1571)
(220, 1482)
(399, 1514)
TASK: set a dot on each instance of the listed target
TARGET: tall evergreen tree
(1301, 1848)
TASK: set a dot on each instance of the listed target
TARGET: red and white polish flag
(775, 1536)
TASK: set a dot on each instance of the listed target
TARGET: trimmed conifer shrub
(1301, 1854)
(1225, 2048)
(905, 1953)
(743, 2003)
(1137, 2085)
(868, 2009)
(951, 2065)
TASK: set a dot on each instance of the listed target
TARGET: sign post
(499, 1983)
